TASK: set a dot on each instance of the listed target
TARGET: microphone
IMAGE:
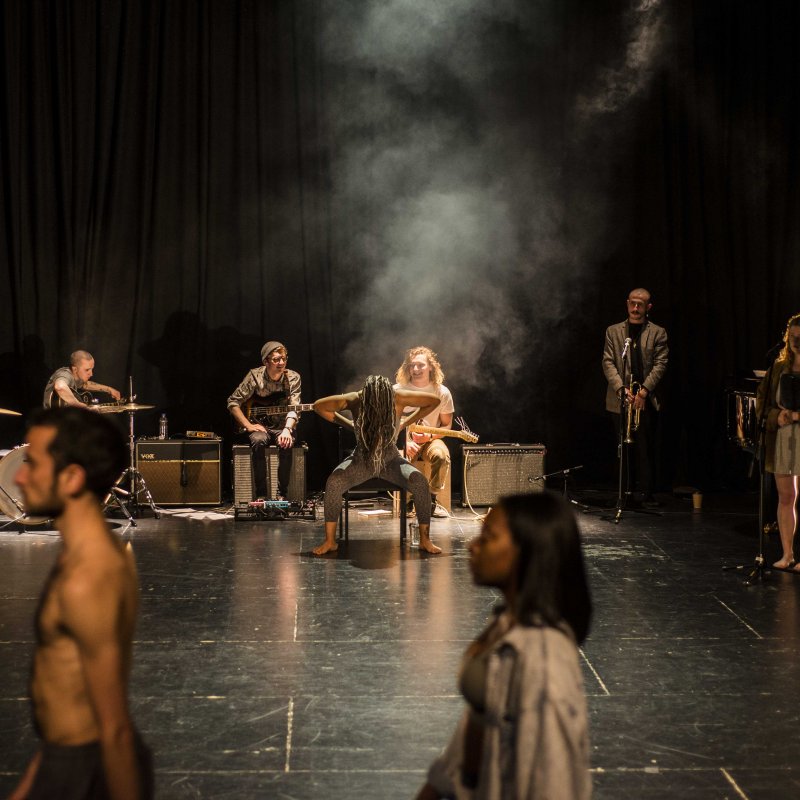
(626, 346)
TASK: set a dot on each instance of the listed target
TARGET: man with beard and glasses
(648, 351)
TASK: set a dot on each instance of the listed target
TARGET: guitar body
(82, 397)
(260, 409)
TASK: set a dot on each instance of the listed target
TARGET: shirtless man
(65, 383)
(377, 420)
(85, 620)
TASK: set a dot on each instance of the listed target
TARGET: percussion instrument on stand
(131, 476)
(11, 499)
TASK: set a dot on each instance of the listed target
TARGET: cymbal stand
(136, 480)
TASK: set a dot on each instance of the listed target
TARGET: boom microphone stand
(565, 493)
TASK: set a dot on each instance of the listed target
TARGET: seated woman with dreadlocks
(377, 421)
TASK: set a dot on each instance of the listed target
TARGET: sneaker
(438, 510)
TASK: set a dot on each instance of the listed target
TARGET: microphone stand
(565, 494)
(760, 569)
(622, 454)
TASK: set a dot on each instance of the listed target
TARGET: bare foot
(428, 546)
(325, 547)
(784, 563)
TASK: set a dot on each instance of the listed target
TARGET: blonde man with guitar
(421, 372)
(266, 405)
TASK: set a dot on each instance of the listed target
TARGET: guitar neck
(466, 436)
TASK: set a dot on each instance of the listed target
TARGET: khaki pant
(437, 455)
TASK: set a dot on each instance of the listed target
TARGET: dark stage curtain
(172, 197)
(164, 199)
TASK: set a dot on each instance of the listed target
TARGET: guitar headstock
(464, 432)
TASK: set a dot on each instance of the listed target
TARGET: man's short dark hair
(87, 439)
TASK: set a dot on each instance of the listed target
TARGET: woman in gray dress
(783, 438)
(524, 732)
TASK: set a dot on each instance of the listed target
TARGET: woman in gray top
(783, 436)
(524, 731)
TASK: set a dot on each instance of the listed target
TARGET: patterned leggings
(351, 472)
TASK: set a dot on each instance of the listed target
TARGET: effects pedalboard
(278, 509)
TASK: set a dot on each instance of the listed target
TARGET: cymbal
(10, 413)
(134, 407)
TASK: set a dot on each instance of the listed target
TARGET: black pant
(259, 441)
(76, 773)
(640, 457)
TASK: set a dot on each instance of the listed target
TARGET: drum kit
(12, 503)
(740, 414)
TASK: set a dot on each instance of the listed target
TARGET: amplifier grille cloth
(243, 483)
(491, 472)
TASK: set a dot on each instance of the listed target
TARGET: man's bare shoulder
(100, 567)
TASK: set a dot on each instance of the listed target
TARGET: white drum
(11, 502)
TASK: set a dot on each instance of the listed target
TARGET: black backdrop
(179, 185)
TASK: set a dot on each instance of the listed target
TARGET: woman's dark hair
(87, 439)
(551, 579)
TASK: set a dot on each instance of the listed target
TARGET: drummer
(66, 383)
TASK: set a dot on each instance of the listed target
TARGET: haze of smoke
(618, 86)
(459, 191)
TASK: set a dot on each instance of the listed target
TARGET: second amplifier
(181, 473)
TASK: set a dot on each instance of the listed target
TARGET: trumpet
(632, 415)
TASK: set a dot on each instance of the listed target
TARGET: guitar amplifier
(181, 473)
(494, 470)
(242, 472)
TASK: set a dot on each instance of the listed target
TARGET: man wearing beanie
(268, 386)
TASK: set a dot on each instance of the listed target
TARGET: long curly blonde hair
(404, 372)
(786, 354)
(374, 427)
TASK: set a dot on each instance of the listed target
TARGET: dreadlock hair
(375, 428)
(786, 354)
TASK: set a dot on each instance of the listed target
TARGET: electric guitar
(88, 399)
(256, 413)
(466, 435)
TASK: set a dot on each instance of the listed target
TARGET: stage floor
(261, 671)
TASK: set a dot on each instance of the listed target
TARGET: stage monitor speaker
(494, 470)
(242, 473)
(181, 473)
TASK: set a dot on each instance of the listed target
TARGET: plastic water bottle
(414, 534)
(162, 427)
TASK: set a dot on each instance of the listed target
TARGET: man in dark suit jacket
(646, 357)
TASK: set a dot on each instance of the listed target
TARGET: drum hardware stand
(131, 473)
(21, 519)
(115, 495)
